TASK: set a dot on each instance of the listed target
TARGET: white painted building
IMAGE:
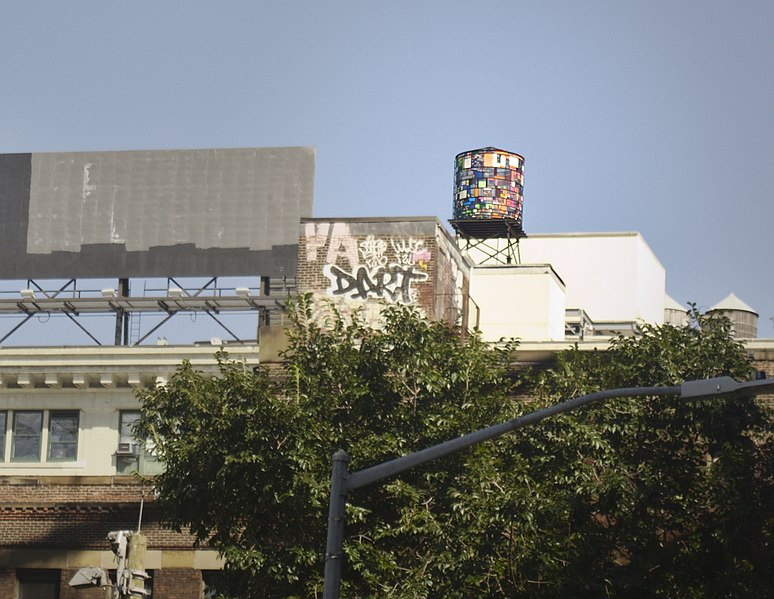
(68, 411)
(568, 285)
(525, 301)
(67, 458)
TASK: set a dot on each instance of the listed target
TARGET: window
(127, 420)
(63, 436)
(127, 461)
(3, 423)
(28, 435)
(27, 431)
(38, 584)
(131, 457)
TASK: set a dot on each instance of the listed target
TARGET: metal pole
(139, 521)
(122, 316)
(334, 549)
(119, 318)
(384, 470)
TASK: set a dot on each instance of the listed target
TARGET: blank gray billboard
(153, 213)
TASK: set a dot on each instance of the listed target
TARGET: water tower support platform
(479, 234)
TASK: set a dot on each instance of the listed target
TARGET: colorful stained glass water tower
(488, 193)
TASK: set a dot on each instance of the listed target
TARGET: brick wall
(82, 526)
(38, 491)
(168, 583)
(452, 285)
(365, 264)
(173, 583)
(38, 513)
(60, 516)
(8, 584)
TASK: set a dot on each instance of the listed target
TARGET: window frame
(3, 433)
(52, 415)
(127, 465)
(15, 435)
(145, 461)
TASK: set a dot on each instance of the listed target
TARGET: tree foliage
(655, 497)
(671, 498)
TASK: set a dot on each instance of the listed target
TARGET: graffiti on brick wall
(341, 246)
(393, 283)
(451, 286)
(379, 273)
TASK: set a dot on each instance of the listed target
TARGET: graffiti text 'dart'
(392, 283)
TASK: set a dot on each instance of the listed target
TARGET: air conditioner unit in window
(128, 449)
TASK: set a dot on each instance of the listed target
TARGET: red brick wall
(45, 491)
(168, 583)
(173, 583)
(452, 286)
(8, 584)
(350, 246)
(59, 516)
(82, 526)
(38, 513)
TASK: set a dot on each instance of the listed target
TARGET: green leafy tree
(247, 453)
(666, 497)
(651, 497)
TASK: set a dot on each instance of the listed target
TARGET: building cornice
(107, 367)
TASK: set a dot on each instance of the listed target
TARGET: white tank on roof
(744, 320)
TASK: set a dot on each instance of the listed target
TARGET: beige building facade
(67, 464)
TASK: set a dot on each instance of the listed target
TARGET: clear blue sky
(653, 116)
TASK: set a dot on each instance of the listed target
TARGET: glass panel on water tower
(489, 184)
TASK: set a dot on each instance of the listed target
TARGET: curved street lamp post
(343, 481)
